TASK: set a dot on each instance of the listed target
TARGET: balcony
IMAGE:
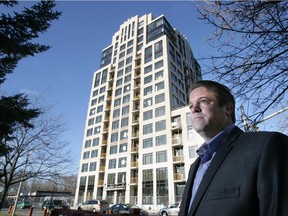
(101, 183)
(134, 149)
(179, 158)
(135, 135)
(177, 140)
(134, 164)
(102, 169)
(103, 155)
(179, 177)
(176, 125)
(134, 180)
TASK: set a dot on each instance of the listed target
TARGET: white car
(170, 210)
(94, 205)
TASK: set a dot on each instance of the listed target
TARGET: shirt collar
(206, 150)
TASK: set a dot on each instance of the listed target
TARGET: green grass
(4, 214)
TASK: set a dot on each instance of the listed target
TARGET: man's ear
(229, 107)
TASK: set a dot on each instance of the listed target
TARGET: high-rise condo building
(138, 141)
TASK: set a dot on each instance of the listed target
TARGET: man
(236, 173)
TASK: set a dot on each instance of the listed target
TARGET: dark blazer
(247, 177)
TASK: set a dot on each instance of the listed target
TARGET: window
(120, 73)
(147, 129)
(160, 111)
(92, 166)
(93, 102)
(161, 125)
(116, 113)
(161, 140)
(126, 99)
(111, 178)
(104, 76)
(115, 124)
(117, 102)
(130, 50)
(147, 115)
(119, 82)
(148, 90)
(122, 54)
(161, 156)
(127, 78)
(122, 162)
(97, 130)
(92, 111)
(192, 151)
(112, 164)
(123, 147)
(124, 122)
(125, 110)
(118, 92)
(159, 75)
(121, 64)
(124, 134)
(159, 98)
(86, 155)
(148, 69)
(114, 137)
(98, 119)
(94, 153)
(128, 60)
(87, 143)
(113, 149)
(159, 86)
(95, 141)
(158, 64)
(95, 92)
(102, 89)
(147, 79)
(126, 88)
(84, 167)
(128, 69)
(147, 142)
(158, 50)
(121, 177)
(90, 121)
(122, 47)
(99, 108)
(101, 99)
(89, 132)
(147, 158)
(148, 102)
(148, 54)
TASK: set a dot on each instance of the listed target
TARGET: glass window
(124, 134)
(118, 92)
(87, 143)
(89, 132)
(117, 102)
(122, 162)
(90, 121)
(159, 75)
(147, 129)
(99, 108)
(116, 113)
(112, 163)
(92, 166)
(121, 64)
(95, 141)
(161, 125)
(159, 98)
(128, 69)
(120, 73)
(158, 64)
(95, 92)
(148, 102)
(123, 147)
(127, 78)
(122, 54)
(148, 90)
(160, 111)
(161, 140)
(84, 167)
(147, 158)
(148, 54)
(101, 99)
(126, 99)
(158, 49)
(121, 177)
(92, 111)
(93, 102)
(98, 119)
(147, 79)
(111, 178)
(119, 82)
(147, 69)
(161, 156)
(125, 110)
(102, 89)
(115, 124)
(86, 155)
(94, 153)
(113, 149)
(159, 86)
(97, 130)
(147, 115)
(114, 137)
(147, 142)
(124, 122)
(126, 88)
(128, 60)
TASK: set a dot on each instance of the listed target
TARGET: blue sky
(63, 74)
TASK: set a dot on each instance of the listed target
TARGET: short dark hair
(223, 93)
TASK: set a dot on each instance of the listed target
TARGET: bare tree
(252, 43)
(36, 152)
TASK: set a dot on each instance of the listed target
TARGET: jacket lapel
(219, 157)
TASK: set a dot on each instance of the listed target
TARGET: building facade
(138, 142)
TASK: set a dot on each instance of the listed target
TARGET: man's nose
(196, 108)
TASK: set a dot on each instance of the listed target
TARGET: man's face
(208, 119)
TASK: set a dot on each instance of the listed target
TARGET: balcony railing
(178, 158)
(179, 176)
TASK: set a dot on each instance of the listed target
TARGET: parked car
(94, 205)
(24, 204)
(170, 210)
(55, 204)
(125, 208)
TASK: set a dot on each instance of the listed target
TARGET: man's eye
(205, 102)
